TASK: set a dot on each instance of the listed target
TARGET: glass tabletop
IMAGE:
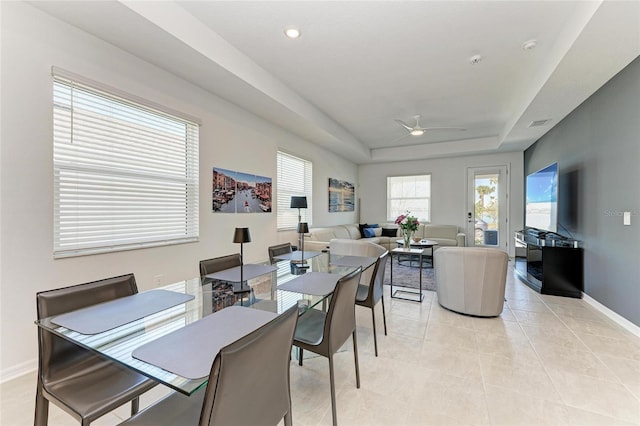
(119, 343)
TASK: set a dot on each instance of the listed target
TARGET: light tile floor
(545, 361)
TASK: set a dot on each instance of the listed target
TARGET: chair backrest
(221, 263)
(56, 353)
(278, 250)
(249, 379)
(471, 280)
(340, 321)
(376, 287)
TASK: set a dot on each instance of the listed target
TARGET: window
(294, 179)
(125, 174)
(411, 193)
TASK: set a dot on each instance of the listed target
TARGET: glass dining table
(119, 343)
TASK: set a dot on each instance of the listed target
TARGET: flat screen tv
(541, 210)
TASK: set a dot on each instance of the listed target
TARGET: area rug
(406, 276)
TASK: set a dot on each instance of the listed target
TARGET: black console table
(549, 264)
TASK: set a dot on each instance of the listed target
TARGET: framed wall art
(342, 196)
(239, 192)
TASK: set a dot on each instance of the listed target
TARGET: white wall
(448, 188)
(230, 137)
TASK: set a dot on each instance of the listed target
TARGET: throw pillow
(362, 226)
(369, 233)
(389, 232)
(377, 232)
(374, 225)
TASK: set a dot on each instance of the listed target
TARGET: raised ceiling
(360, 65)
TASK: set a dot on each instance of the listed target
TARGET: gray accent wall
(597, 148)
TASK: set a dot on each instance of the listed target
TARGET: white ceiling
(360, 65)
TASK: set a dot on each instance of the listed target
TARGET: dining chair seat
(362, 293)
(88, 387)
(310, 329)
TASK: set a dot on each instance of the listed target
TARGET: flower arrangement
(409, 225)
(407, 222)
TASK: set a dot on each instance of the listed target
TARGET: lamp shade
(242, 235)
(303, 228)
(299, 202)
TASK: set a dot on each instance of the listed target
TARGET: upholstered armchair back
(471, 280)
(349, 247)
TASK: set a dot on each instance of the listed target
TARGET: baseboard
(18, 370)
(618, 319)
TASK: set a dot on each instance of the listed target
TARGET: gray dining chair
(324, 333)
(369, 295)
(248, 384)
(224, 293)
(80, 382)
(278, 250)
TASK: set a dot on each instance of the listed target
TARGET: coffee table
(422, 245)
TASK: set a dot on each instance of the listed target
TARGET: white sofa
(445, 235)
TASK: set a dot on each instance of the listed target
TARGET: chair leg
(41, 415)
(333, 391)
(384, 317)
(300, 356)
(135, 405)
(287, 419)
(355, 357)
(375, 339)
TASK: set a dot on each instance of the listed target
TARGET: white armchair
(471, 280)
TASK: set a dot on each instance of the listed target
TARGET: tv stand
(549, 263)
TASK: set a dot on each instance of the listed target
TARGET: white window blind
(125, 174)
(295, 177)
(411, 193)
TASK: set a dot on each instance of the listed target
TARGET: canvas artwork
(342, 196)
(238, 192)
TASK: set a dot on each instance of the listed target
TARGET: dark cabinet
(549, 265)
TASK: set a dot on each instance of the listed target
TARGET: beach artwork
(239, 192)
(342, 196)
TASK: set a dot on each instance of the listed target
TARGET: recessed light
(529, 45)
(292, 33)
(475, 59)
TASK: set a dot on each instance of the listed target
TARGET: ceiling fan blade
(403, 124)
(442, 128)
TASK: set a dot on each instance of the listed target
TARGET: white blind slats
(412, 193)
(125, 176)
(295, 177)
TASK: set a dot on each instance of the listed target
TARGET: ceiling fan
(418, 130)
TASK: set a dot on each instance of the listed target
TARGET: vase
(406, 236)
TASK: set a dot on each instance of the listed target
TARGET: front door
(487, 207)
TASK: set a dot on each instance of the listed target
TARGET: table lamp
(303, 228)
(242, 236)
